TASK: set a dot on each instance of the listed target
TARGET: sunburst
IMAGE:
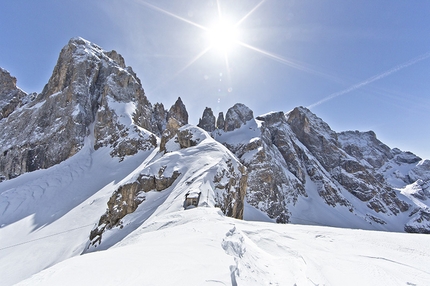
(224, 35)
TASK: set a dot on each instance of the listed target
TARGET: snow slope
(202, 247)
(46, 215)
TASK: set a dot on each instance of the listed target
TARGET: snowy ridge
(207, 169)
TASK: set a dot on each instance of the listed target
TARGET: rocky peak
(116, 58)
(177, 117)
(316, 135)
(90, 94)
(11, 96)
(207, 122)
(7, 81)
(304, 123)
(237, 116)
(220, 121)
(179, 112)
(405, 156)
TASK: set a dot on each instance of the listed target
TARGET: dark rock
(207, 122)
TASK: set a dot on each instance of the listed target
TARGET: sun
(223, 36)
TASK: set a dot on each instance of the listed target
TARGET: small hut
(192, 200)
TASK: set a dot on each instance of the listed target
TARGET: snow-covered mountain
(300, 169)
(90, 164)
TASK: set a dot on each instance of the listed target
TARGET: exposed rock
(220, 122)
(289, 155)
(232, 200)
(365, 146)
(177, 117)
(420, 222)
(316, 135)
(179, 112)
(207, 122)
(405, 157)
(223, 182)
(420, 172)
(237, 116)
(127, 198)
(159, 119)
(11, 97)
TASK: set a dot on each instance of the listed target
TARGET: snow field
(202, 247)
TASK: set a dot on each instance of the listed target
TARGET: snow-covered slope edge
(202, 247)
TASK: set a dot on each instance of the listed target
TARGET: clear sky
(359, 65)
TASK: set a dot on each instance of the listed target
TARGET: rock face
(295, 158)
(237, 116)
(176, 117)
(127, 198)
(207, 122)
(11, 97)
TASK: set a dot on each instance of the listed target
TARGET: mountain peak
(237, 116)
(11, 97)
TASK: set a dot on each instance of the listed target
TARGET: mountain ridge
(93, 95)
(91, 155)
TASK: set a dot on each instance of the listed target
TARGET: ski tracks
(248, 267)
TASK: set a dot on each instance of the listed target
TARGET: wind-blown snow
(46, 215)
(202, 247)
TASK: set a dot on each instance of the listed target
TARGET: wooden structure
(192, 200)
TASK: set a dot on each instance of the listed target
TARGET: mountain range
(92, 157)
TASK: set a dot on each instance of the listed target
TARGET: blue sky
(360, 65)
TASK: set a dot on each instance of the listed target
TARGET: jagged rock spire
(207, 122)
(179, 112)
(11, 96)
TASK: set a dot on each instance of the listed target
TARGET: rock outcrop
(176, 118)
(237, 116)
(11, 97)
(207, 122)
(127, 198)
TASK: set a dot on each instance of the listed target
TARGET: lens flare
(223, 35)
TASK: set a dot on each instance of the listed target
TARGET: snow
(47, 215)
(124, 111)
(247, 133)
(202, 247)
